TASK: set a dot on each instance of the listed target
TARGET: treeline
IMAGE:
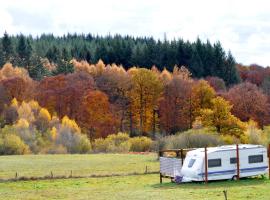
(202, 59)
(106, 99)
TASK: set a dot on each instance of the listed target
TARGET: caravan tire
(234, 178)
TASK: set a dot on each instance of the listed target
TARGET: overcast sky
(242, 26)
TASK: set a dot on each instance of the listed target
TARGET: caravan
(221, 163)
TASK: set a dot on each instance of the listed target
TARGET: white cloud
(241, 26)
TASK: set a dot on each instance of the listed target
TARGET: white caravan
(222, 163)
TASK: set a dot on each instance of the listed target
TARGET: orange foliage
(96, 115)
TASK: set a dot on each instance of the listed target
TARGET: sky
(243, 27)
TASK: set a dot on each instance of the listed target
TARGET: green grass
(81, 165)
(113, 188)
(133, 187)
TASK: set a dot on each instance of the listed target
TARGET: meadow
(144, 186)
(79, 164)
(133, 187)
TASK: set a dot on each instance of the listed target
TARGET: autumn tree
(217, 83)
(249, 103)
(63, 93)
(144, 97)
(175, 105)
(96, 116)
(201, 97)
(219, 116)
(116, 83)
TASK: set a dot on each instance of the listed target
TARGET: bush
(118, 138)
(140, 144)
(13, 145)
(121, 148)
(57, 149)
(100, 145)
(190, 139)
(73, 142)
(115, 143)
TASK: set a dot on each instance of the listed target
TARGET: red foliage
(175, 106)
(254, 73)
(63, 93)
(249, 103)
(96, 115)
(19, 88)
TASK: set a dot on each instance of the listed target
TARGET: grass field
(133, 187)
(81, 165)
(113, 188)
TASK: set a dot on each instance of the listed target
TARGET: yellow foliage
(100, 66)
(8, 71)
(44, 114)
(132, 71)
(181, 72)
(53, 133)
(71, 124)
(25, 112)
(144, 97)
(253, 133)
(165, 76)
(219, 116)
(14, 103)
(34, 105)
(22, 123)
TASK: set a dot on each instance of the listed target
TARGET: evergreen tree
(7, 48)
(231, 75)
(24, 51)
(64, 67)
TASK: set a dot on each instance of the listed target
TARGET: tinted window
(191, 163)
(232, 160)
(214, 163)
(255, 159)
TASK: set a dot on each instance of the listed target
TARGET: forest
(83, 93)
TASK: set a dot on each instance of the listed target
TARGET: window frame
(255, 161)
(216, 165)
(191, 162)
(233, 159)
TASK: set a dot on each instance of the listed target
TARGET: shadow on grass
(215, 184)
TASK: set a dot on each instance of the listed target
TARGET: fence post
(160, 175)
(182, 156)
(205, 165)
(268, 152)
(237, 162)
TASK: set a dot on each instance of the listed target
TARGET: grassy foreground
(133, 187)
(81, 165)
(113, 188)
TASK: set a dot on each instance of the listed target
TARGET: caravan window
(214, 163)
(232, 160)
(191, 163)
(255, 159)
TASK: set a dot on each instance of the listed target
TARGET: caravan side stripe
(225, 172)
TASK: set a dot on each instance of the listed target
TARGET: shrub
(115, 143)
(57, 149)
(141, 144)
(254, 134)
(73, 142)
(190, 139)
(13, 145)
(121, 148)
(118, 138)
(100, 145)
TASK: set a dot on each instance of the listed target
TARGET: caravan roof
(225, 148)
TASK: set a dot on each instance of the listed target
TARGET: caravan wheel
(234, 178)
